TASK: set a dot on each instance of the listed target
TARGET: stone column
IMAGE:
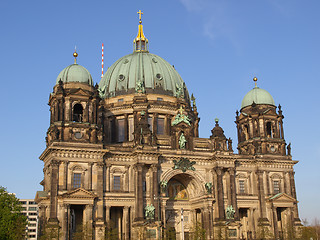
(65, 175)
(54, 189)
(268, 183)
(126, 222)
(100, 182)
(127, 173)
(108, 177)
(261, 197)
(108, 216)
(90, 176)
(66, 221)
(126, 131)
(168, 124)
(275, 222)
(155, 123)
(293, 194)
(139, 193)
(155, 189)
(219, 172)
(89, 219)
(206, 221)
(232, 172)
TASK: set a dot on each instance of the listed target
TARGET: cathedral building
(124, 158)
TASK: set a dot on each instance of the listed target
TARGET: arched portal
(185, 203)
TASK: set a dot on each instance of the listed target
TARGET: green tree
(198, 232)
(12, 221)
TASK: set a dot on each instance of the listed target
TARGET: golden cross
(140, 13)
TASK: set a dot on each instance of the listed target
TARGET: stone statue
(289, 149)
(180, 117)
(208, 187)
(163, 186)
(149, 212)
(182, 141)
(140, 87)
(230, 212)
(179, 91)
(230, 144)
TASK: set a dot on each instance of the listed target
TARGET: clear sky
(217, 46)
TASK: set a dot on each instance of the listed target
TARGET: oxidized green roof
(258, 96)
(157, 75)
(75, 73)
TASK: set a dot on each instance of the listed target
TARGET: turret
(259, 125)
(74, 107)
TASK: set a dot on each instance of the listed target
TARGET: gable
(282, 197)
(79, 193)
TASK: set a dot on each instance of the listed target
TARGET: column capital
(218, 170)
(232, 170)
(55, 163)
(138, 166)
(100, 164)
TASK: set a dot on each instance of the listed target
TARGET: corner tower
(74, 107)
(259, 125)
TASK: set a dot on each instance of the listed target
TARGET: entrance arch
(185, 190)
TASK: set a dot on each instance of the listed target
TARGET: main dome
(156, 74)
(142, 72)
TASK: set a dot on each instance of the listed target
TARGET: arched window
(77, 113)
(269, 130)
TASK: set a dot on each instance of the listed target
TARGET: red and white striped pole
(102, 62)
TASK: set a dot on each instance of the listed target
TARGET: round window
(78, 135)
(158, 76)
(121, 77)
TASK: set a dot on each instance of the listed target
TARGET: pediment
(79, 193)
(40, 195)
(79, 91)
(282, 197)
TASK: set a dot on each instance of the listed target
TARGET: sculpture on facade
(149, 212)
(140, 87)
(184, 164)
(182, 141)
(179, 91)
(289, 149)
(230, 212)
(180, 117)
(208, 187)
(163, 186)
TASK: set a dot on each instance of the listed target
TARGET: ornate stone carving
(184, 164)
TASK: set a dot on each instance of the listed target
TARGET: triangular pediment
(282, 197)
(79, 91)
(79, 193)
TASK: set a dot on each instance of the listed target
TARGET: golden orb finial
(255, 81)
(75, 55)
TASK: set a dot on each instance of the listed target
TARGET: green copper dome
(142, 70)
(75, 73)
(258, 96)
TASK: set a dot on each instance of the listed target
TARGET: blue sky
(217, 46)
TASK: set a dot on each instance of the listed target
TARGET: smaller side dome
(258, 96)
(75, 73)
